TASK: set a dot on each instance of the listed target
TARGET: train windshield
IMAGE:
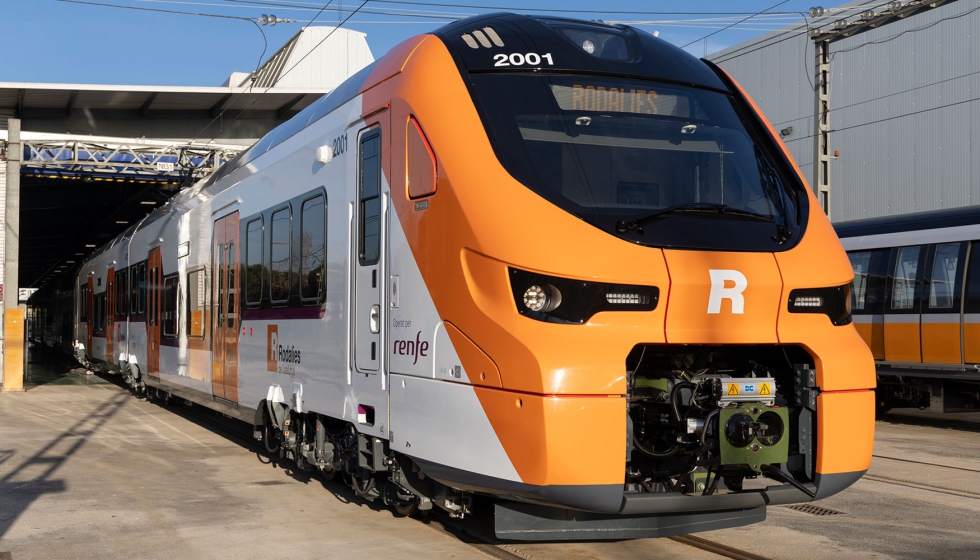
(658, 164)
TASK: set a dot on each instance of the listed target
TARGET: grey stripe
(868, 319)
(905, 238)
(941, 318)
(971, 318)
(902, 319)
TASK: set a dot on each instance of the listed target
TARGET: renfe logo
(414, 348)
(278, 358)
(727, 284)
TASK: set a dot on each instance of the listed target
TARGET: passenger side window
(944, 281)
(169, 321)
(369, 243)
(122, 289)
(141, 298)
(279, 282)
(83, 304)
(196, 286)
(313, 249)
(253, 263)
(861, 263)
(904, 277)
(134, 277)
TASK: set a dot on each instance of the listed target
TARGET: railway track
(920, 485)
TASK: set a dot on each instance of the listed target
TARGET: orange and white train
(560, 263)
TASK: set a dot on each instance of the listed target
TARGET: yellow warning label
(764, 389)
(733, 389)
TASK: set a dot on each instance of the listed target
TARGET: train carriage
(560, 263)
(916, 303)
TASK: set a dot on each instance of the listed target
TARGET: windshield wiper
(624, 226)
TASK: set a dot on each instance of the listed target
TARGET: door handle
(375, 319)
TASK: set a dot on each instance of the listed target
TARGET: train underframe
(704, 421)
(935, 391)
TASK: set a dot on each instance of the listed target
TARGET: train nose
(718, 298)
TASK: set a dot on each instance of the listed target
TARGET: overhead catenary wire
(734, 24)
(288, 70)
(249, 90)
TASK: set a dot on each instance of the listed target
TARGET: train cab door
(902, 301)
(110, 314)
(941, 301)
(154, 297)
(224, 308)
(369, 220)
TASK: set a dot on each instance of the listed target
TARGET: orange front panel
(845, 431)
(902, 342)
(971, 342)
(941, 342)
(722, 297)
(560, 440)
(481, 220)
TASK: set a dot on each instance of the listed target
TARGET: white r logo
(719, 291)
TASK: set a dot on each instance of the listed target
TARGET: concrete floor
(88, 471)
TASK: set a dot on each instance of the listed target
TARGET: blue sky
(52, 41)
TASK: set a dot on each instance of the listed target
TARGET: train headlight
(562, 300)
(834, 302)
(588, 46)
(542, 299)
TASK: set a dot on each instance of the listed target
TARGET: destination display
(606, 97)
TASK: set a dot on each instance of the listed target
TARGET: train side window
(196, 286)
(169, 315)
(133, 290)
(99, 312)
(421, 162)
(861, 263)
(253, 263)
(904, 278)
(944, 282)
(83, 304)
(122, 289)
(369, 243)
(972, 304)
(313, 249)
(141, 296)
(279, 281)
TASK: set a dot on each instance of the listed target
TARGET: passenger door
(902, 335)
(154, 285)
(868, 295)
(971, 308)
(110, 314)
(224, 308)
(941, 305)
(369, 264)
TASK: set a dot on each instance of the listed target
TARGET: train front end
(623, 243)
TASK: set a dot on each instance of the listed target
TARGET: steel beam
(821, 140)
(13, 331)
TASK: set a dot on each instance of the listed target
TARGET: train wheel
(406, 509)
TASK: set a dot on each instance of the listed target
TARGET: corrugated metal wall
(904, 109)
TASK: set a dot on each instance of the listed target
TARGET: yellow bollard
(13, 363)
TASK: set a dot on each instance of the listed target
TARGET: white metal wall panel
(904, 106)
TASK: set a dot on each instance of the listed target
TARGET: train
(560, 268)
(916, 302)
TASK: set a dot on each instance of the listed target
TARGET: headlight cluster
(563, 300)
(834, 302)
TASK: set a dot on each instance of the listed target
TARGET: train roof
(933, 219)
(642, 56)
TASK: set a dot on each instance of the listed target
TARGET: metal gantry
(137, 158)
